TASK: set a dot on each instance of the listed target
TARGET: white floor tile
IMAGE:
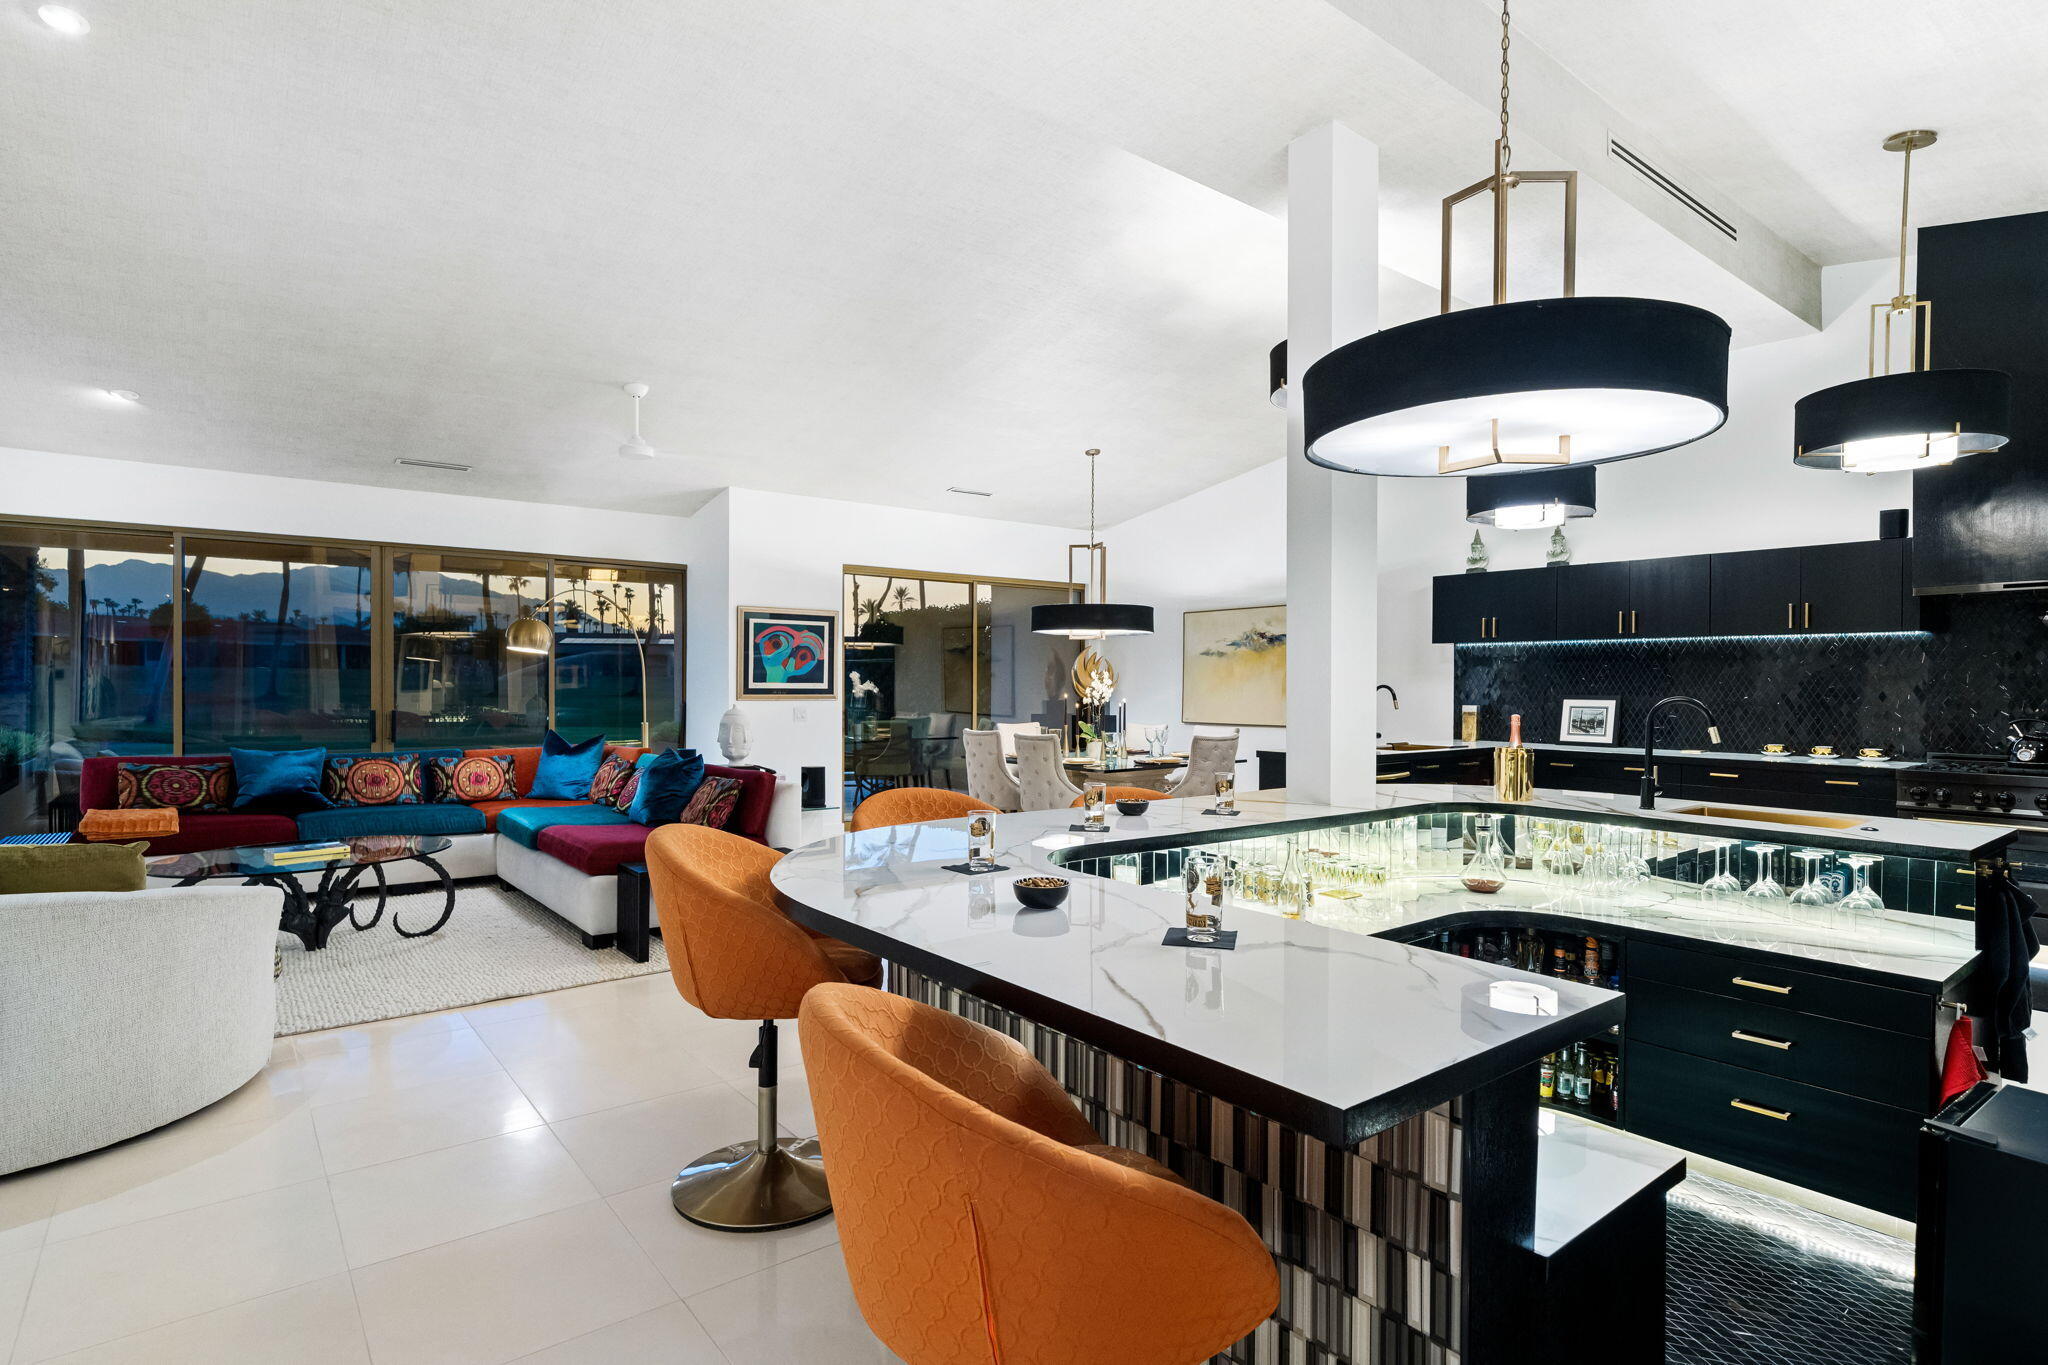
(313, 1324)
(356, 1072)
(382, 1033)
(800, 1310)
(670, 1335)
(420, 1118)
(185, 1166)
(726, 1045)
(653, 1139)
(422, 1201)
(694, 1259)
(508, 1292)
(572, 1079)
(143, 1275)
(593, 1028)
(27, 1199)
(17, 1273)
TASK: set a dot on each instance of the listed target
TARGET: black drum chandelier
(1085, 619)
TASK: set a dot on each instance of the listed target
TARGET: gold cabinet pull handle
(1631, 620)
(1617, 620)
(1808, 623)
(1788, 616)
(1841, 782)
(1760, 1040)
(1627, 769)
(1555, 764)
(1713, 774)
(1779, 1114)
(1389, 777)
(1760, 985)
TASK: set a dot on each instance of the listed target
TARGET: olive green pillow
(70, 867)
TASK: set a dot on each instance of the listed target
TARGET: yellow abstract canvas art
(1233, 667)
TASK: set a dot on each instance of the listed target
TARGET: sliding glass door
(455, 683)
(930, 655)
(86, 626)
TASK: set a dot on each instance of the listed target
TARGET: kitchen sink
(1772, 817)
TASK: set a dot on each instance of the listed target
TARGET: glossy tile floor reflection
(491, 1185)
(480, 1186)
(1758, 1281)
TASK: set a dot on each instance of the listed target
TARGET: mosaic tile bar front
(1367, 1238)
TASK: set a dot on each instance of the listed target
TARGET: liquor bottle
(1610, 966)
(1561, 1090)
(1602, 1081)
(1590, 963)
(1582, 1079)
(1546, 1079)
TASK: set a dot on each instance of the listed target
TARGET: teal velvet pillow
(286, 781)
(667, 782)
(566, 769)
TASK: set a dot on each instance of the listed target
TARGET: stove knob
(2041, 802)
(1918, 796)
(1941, 796)
(1980, 798)
(2006, 800)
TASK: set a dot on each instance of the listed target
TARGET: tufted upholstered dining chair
(983, 1220)
(1209, 757)
(1041, 777)
(989, 779)
(914, 805)
(735, 955)
(1009, 730)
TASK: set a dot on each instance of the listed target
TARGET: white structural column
(1332, 519)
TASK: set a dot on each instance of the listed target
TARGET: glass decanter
(1487, 872)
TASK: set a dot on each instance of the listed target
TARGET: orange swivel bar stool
(985, 1223)
(735, 955)
(914, 805)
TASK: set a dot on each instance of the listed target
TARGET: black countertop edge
(1450, 803)
(1342, 1127)
(1533, 919)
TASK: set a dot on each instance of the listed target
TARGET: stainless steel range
(1988, 789)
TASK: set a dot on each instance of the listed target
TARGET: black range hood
(1981, 524)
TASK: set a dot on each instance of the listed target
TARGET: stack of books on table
(312, 855)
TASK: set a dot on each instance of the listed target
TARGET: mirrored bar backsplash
(1949, 689)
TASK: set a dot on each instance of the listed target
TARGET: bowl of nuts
(1040, 893)
(1132, 805)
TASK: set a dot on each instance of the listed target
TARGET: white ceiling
(860, 251)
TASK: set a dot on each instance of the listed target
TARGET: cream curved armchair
(989, 779)
(1209, 757)
(1041, 778)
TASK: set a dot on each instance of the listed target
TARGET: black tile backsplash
(1984, 660)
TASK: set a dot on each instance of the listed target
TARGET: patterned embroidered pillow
(712, 803)
(195, 788)
(472, 778)
(610, 773)
(372, 780)
(627, 787)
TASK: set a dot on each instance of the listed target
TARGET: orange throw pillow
(110, 826)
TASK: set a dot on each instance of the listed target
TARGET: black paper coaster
(1088, 829)
(1213, 811)
(1177, 937)
(970, 870)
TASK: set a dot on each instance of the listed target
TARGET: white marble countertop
(1586, 1170)
(1848, 760)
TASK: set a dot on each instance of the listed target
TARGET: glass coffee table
(313, 912)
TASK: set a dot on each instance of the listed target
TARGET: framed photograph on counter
(1587, 720)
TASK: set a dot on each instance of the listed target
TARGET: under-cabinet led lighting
(1705, 639)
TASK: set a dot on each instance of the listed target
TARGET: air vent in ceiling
(1635, 162)
(972, 492)
(433, 464)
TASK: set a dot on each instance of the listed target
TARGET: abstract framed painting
(787, 654)
(1233, 666)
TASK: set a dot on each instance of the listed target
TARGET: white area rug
(498, 943)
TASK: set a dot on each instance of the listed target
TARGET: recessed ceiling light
(64, 20)
(124, 395)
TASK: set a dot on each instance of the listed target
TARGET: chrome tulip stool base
(759, 1186)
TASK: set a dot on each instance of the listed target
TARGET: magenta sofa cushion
(595, 850)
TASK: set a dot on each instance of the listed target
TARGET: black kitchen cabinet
(1754, 592)
(1669, 597)
(1853, 587)
(1459, 614)
(1514, 604)
(1593, 600)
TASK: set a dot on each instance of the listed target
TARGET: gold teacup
(1775, 749)
(1822, 751)
(1870, 753)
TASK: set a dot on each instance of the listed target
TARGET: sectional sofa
(564, 854)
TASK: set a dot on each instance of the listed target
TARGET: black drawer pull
(1779, 1114)
(1760, 1040)
(1760, 985)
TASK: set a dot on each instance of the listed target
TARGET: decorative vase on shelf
(1560, 549)
(734, 739)
(1476, 558)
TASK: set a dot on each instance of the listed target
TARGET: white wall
(1736, 490)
